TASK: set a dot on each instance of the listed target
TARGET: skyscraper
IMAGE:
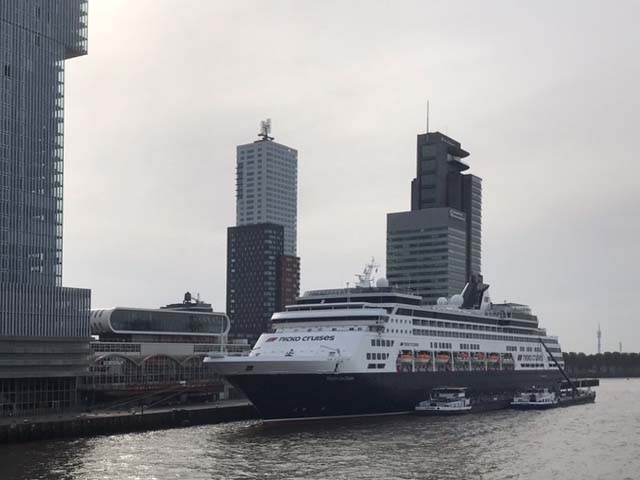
(263, 271)
(44, 328)
(267, 185)
(436, 247)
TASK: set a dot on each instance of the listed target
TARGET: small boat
(445, 401)
(535, 399)
(579, 397)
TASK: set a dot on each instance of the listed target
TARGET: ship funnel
(474, 292)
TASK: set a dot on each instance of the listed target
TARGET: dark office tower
(254, 263)
(44, 328)
(436, 247)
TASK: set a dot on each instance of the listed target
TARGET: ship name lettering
(308, 338)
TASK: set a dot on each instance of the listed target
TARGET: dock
(14, 430)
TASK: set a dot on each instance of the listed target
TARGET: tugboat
(445, 401)
(535, 399)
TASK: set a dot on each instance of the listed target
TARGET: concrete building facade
(436, 247)
(426, 252)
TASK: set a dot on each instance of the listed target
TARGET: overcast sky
(545, 96)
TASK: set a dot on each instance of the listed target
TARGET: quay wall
(108, 424)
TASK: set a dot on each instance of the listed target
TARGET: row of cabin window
(469, 346)
(380, 342)
(504, 338)
(534, 365)
(377, 356)
(375, 365)
(441, 345)
(475, 326)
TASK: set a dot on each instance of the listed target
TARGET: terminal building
(138, 350)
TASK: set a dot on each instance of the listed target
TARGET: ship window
(368, 356)
(371, 365)
(381, 365)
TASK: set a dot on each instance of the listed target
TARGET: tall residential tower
(436, 247)
(267, 185)
(263, 271)
(44, 328)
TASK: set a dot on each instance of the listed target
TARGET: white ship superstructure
(363, 329)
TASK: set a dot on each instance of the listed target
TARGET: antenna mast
(427, 116)
(365, 279)
(265, 129)
(599, 335)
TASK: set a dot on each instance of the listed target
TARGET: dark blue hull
(288, 396)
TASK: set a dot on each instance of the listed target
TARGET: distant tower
(599, 335)
(620, 345)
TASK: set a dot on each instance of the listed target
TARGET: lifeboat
(493, 357)
(462, 356)
(478, 357)
(507, 358)
(443, 357)
(406, 356)
(423, 357)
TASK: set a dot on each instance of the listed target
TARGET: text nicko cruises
(373, 350)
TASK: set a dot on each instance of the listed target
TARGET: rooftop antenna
(265, 129)
(427, 116)
(599, 335)
(620, 345)
(365, 279)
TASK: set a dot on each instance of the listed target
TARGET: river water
(598, 441)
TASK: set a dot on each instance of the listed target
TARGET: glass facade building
(426, 252)
(44, 328)
(36, 37)
(436, 247)
(163, 321)
(145, 350)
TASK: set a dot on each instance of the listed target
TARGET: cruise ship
(375, 350)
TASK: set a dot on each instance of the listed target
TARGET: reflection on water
(591, 441)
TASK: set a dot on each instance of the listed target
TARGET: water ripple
(599, 441)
